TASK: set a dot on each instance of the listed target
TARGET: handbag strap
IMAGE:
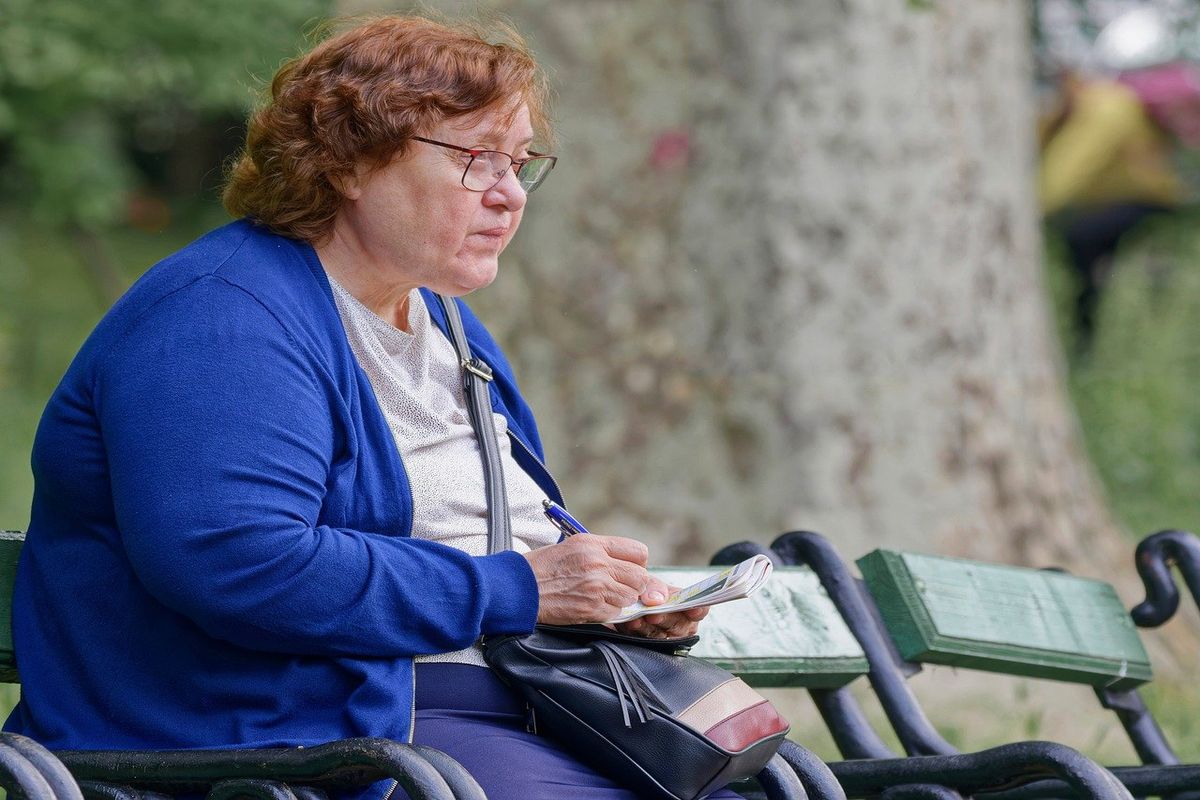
(476, 377)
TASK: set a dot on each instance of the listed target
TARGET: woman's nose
(508, 192)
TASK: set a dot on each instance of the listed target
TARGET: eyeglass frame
(516, 164)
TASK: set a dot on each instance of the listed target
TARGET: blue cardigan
(219, 552)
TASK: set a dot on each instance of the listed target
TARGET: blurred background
(912, 274)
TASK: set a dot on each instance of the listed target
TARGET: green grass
(1135, 391)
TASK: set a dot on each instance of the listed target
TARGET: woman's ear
(349, 184)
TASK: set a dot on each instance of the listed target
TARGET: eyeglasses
(488, 167)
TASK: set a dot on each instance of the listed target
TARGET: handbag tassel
(632, 685)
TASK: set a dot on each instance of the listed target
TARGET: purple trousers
(469, 713)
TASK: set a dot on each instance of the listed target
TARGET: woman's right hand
(588, 578)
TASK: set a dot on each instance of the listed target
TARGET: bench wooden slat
(788, 634)
(1013, 620)
(10, 549)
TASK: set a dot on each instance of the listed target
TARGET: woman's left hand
(663, 626)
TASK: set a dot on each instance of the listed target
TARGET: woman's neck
(355, 272)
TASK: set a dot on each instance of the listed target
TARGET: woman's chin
(477, 278)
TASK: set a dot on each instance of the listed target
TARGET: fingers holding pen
(606, 583)
(588, 578)
(622, 549)
(618, 547)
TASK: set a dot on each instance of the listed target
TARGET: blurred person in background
(1107, 153)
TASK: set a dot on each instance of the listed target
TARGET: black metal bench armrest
(58, 780)
(1172, 781)
(815, 776)
(343, 764)
(95, 790)
(794, 772)
(1154, 557)
(251, 789)
(455, 774)
(920, 791)
(997, 769)
(20, 778)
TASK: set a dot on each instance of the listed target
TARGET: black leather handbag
(638, 710)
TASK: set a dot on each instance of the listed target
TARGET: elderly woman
(259, 515)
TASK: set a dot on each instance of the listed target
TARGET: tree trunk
(787, 274)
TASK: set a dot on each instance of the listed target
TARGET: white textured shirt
(418, 384)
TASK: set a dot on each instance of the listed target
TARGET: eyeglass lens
(488, 167)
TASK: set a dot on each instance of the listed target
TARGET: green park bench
(912, 609)
(788, 635)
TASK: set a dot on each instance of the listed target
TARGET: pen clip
(562, 519)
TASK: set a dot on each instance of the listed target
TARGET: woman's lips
(491, 240)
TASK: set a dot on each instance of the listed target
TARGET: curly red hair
(357, 98)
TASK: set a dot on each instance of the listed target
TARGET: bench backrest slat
(10, 549)
(788, 634)
(1013, 620)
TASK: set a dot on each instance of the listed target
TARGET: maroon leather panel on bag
(747, 727)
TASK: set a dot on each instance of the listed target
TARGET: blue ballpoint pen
(562, 519)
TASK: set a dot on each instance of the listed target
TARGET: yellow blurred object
(1107, 150)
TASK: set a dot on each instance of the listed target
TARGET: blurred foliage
(112, 116)
(85, 85)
